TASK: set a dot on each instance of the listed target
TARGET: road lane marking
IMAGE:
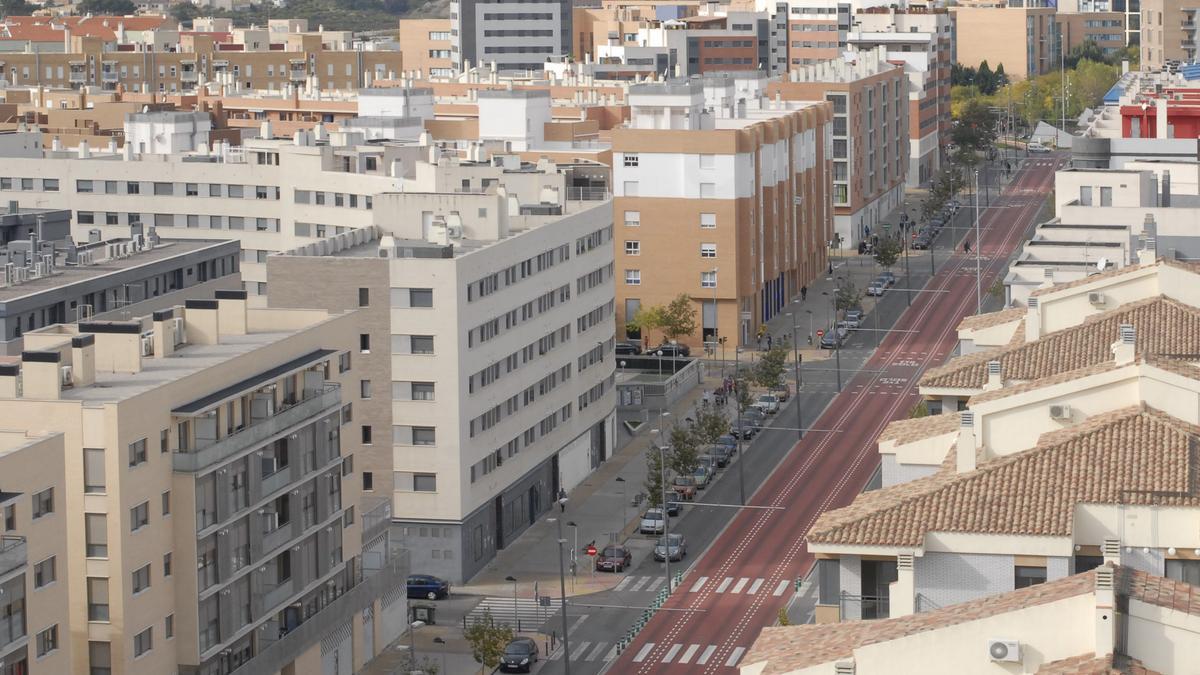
(783, 584)
(596, 652)
(706, 655)
(575, 626)
(643, 652)
(724, 584)
(654, 586)
(698, 585)
(755, 586)
(579, 651)
(740, 585)
(733, 658)
(612, 654)
(624, 582)
(640, 582)
(688, 654)
(671, 652)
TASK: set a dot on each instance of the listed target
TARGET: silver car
(677, 548)
(652, 522)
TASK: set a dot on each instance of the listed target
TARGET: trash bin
(423, 611)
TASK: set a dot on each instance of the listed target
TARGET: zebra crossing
(735, 585)
(641, 584)
(588, 652)
(689, 654)
(508, 611)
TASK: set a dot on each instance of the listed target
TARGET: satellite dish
(1101, 264)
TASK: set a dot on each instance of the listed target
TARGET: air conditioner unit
(1004, 650)
(454, 231)
(1096, 298)
(68, 376)
(1060, 412)
(147, 345)
(178, 331)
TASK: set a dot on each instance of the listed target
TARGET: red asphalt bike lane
(769, 544)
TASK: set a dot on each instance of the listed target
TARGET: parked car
(729, 441)
(833, 339)
(851, 319)
(672, 545)
(745, 428)
(1036, 147)
(702, 475)
(876, 288)
(628, 348)
(759, 417)
(921, 242)
(672, 350)
(684, 486)
(888, 277)
(782, 391)
(652, 522)
(767, 403)
(613, 558)
(427, 587)
(674, 508)
(519, 655)
(720, 454)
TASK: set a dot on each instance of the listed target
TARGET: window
(143, 642)
(708, 280)
(97, 590)
(96, 533)
(424, 482)
(364, 297)
(633, 248)
(364, 343)
(368, 481)
(166, 503)
(633, 277)
(422, 344)
(420, 297)
(99, 658)
(169, 626)
(93, 471)
(260, 192)
(10, 517)
(85, 217)
(1024, 576)
(83, 186)
(633, 218)
(50, 184)
(424, 436)
(133, 188)
(708, 221)
(708, 250)
(44, 573)
(139, 516)
(235, 192)
(214, 189)
(708, 190)
(630, 188)
(166, 564)
(343, 362)
(364, 389)
(137, 452)
(141, 579)
(47, 641)
(631, 159)
(43, 503)
(366, 434)
(1187, 571)
(111, 218)
(422, 391)
(164, 189)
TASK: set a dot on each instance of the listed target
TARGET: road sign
(820, 333)
(591, 550)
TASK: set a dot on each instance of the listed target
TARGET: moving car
(672, 545)
(672, 350)
(614, 559)
(767, 403)
(759, 417)
(652, 522)
(1036, 147)
(684, 486)
(782, 392)
(519, 655)
(832, 339)
(427, 587)
(852, 319)
(876, 288)
(628, 348)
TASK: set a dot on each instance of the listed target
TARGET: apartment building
(870, 136)
(1168, 33)
(1106, 29)
(724, 202)
(209, 496)
(815, 30)
(1114, 619)
(923, 40)
(1024, 39)
(1130, 11)
(512, 35)
(497, 324)
(425, 46)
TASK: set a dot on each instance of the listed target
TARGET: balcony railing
(328, 399)
(376, 521)
(12, 629)
(12, 554)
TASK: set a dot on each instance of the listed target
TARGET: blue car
(426, 587)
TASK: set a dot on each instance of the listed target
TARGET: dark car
(729, 441)
(720, 454)
(745, 428)
(628, 348)
(614, 559)
(519, 655)
(672, 350)
(674, 508)
(675, 549)
(427, 587)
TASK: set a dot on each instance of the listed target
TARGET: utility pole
(978, 245)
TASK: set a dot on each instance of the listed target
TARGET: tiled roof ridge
(1120, 271)
(959, 362)
(1049, 380)
(992, 318)
(897, 429)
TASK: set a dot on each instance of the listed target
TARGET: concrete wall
(948, 578)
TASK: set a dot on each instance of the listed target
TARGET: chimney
(1111, 550)
(202, 321)
(1166, 189)
(231, 310)
(1047, 277)
(1123, 349)
(83, 359)
(164, 333)
(40, 375)
(994, 381)
(1033, 321)
(965, 450)
(10, 377)
(118, 345)
(1106, 621)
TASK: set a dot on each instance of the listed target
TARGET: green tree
(487, 640)
(768, 372)
(711, 424)
(654, 476)
(975, 127)
(887, 252)
(742, 397)
(114, 7)
(848, 296)
(784, 620)
(985, 80)
(679, 317)
(16, 8)
(685, 451)
(1000, 76)
(646, 319)
(184, 12)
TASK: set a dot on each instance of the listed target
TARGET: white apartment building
(499, 328)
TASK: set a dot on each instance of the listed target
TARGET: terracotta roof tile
(1012, 390)
(1090, 664)
(918, 428)
(1128, 269)
(1161, 592)
(1164, 326)
(1146, 457)
(992, 318)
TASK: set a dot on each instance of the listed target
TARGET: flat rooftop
(65, 276)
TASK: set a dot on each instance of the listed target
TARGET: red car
(614, 559)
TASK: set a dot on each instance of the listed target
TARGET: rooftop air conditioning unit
(1060, 412)
(147, 345)
(68, 376)
(1004, 650)
(177, 330)
(454, 231)
(1096, 298)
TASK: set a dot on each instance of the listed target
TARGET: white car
(1036, 146)
(767, 403)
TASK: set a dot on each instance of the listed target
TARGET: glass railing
(12, 554)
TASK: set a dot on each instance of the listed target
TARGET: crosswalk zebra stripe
(596, 651)
(688, 654)
(733, 658)
(640, 582)
(698, 585)
(671, 652)
(780, 588)
(755, 586)
(654, 586)
(643, 652)
(706, 655)
(740, 585)
(578, 651)
(624, 582)
(724, 584)
(612, 654)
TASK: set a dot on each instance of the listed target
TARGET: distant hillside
(353, 15)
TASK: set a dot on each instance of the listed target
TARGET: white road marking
(783, 584)
(578, 651)
(740, 585)
(643, 652)
(755, 586)
(698, 585)
(612, 654)
(724, 584)
(624, 582)
(596, 652)
(706, 655)
(688, 654)
(733, 658)
(640, 582)
(671, 652)
(658, 581)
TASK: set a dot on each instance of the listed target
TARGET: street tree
(647, 318)
(423, 665)
(742, 397)
(985, 80)
(654, 476)
(678, 317)
(711, 424)
(848, 296)
(768, 372)
(684, 456)
(488, 640)
(887, 252)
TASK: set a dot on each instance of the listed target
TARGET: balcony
(328, 399)
(189, 76)
(12, 554)
(110, 76)
(376, 521)
(78, 77)
(12, 632)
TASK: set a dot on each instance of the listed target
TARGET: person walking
(967, 246)
(769, 341)
(803, 293)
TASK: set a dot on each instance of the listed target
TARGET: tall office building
(513, 35)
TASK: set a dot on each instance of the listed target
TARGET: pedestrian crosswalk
(688, 654)
(587, 652)
(641, 584)
(508, 611)
(745, 585)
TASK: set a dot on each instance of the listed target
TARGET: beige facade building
(729, 206)
(1168, 32)
(1023, 39)
(425, 47)
(215, 524)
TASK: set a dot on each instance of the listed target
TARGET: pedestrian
(967, 246)
(769, 341)
(707, 398)
(562, 500)
(803, 293)
(831, 268)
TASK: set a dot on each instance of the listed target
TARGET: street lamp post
(978, 245)
(737, 406)
(715, 323)
(796, 367)
(412, 641)
(624, 506)
(662, 479)
(810, 326)
(516, 614)
(562, 589)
